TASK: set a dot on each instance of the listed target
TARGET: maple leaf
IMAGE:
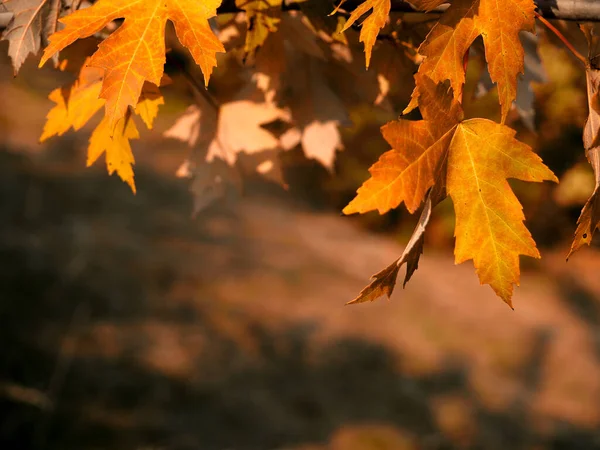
(33, 21)
(371, 25)
(499, 23)
(136, 51)
(405, 173)
(292, 75)
(473, 158)
(533, 73)
(78, 103)
(234, 128)
(589, 219)
(263, 17)
(119, 157)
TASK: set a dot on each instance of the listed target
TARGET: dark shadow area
(105, 345)
(585, 305)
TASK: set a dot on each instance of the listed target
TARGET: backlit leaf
(380, 10)
(136, 51)
(499, 23)
(117, 149)
(75, 105)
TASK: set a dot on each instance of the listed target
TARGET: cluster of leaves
(298, 70)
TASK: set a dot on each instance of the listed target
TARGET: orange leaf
(119, 157)
(136, 51)
(474, 158)
(405, 173)
(499, 23)
(372, 24)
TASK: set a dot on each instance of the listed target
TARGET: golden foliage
(499, 23)
(472, 159)
(136, 51)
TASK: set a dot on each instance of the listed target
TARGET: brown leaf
(33, 21)
(383, 282)
(589, 220)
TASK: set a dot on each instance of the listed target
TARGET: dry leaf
(383, 282)
(589, 220)
(33, 21)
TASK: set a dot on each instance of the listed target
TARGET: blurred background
(127, 324)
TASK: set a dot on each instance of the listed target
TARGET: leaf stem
(560, 36)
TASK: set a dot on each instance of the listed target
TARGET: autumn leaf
(295, 72)
(33, 21)
(136, 51)
(380, 10)
(534, 72)
(235, 127)
(78, 103)
(119, 157)
(589, 219)
(405, 173)
(262, 17)
(149, 101)
(499, 23)
(75, 105)
(474, 157)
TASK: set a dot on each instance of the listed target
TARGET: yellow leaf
(150, 100)
(489, 218)
(473, 158)
(372, 25)
(116, 145)
(499, 23)
(74, 105)
(136, 51)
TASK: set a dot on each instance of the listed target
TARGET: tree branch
(575, 10)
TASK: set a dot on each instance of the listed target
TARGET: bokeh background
(127, 324)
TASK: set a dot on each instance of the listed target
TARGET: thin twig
(559, 35)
